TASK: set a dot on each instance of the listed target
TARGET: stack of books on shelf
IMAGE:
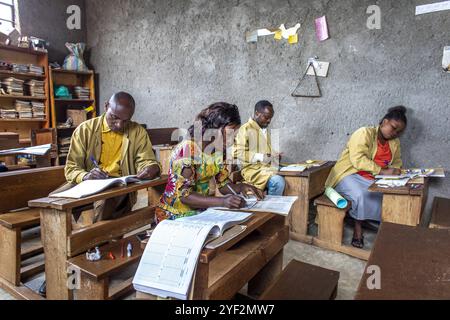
(64, 145)
(23, 108)
(20, 68)
(8, 113)
(38, 109)
(37, 70)
(35, 88)
(82, 93)
(12, 86)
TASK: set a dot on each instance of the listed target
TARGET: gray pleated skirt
(365, 205)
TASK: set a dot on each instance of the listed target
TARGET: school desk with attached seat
(306, 185)
(62, 243)
(254, 257)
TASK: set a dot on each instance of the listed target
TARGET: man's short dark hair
(123, 95)
(263, 105)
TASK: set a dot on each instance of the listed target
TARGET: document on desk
(168, 264)
(36, 150)
(274, 204)
(392, 183)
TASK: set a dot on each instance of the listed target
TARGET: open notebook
(167, 266)
(91, 187)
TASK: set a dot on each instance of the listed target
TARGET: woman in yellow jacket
(370, 151)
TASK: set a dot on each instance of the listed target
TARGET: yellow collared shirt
(111, 155)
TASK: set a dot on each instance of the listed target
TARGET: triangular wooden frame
(300, 82)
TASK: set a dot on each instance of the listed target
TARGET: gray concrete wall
(177, 56)
(47, 19)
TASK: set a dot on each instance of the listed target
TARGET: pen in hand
(99, 170)
(234, 192)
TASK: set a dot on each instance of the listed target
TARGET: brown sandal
(358, 243)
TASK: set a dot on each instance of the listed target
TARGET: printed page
(223, 219)
(275, 204)
(170, 257)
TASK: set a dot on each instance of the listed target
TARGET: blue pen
(94, 162)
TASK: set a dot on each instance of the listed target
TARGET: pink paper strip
(322, 29)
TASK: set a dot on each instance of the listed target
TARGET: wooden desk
(306, 186)
(61, 243)
(403, 205)
(414, 264)
(254, 257)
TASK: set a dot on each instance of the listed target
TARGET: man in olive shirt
(111, 146)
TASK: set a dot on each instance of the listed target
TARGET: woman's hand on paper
(233, 202)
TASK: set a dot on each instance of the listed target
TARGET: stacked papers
(8, 113)
(13, 86)
(38, 110)
(82, 93)
(35, 88)
(23, 108)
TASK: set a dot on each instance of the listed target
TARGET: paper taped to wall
(433, 7)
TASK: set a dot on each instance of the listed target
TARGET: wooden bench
(95, 277)
(440, 214)
(16, 189)
(302, 281)
(330, 220)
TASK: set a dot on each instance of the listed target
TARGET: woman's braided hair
(216, 116)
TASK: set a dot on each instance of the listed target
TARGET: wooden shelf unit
(24, 127)
(69, 79)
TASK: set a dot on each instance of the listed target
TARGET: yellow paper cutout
(278, 35)
(293, 39)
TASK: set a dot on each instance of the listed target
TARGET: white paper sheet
(433, 7)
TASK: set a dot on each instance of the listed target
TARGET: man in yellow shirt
(253, 151)
(111, 146)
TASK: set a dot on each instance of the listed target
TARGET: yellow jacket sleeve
(397, 158)
(144, 155)
(359, 152)
(74, 169)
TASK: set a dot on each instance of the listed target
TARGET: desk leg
(56, 227)
(402, 209)
(299, 186)
(266, 276)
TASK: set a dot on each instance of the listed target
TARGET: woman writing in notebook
(199, 158)
(370, 151)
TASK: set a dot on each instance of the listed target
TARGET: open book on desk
(91, 187)
(167, 266)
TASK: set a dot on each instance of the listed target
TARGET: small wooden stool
(302, 281)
